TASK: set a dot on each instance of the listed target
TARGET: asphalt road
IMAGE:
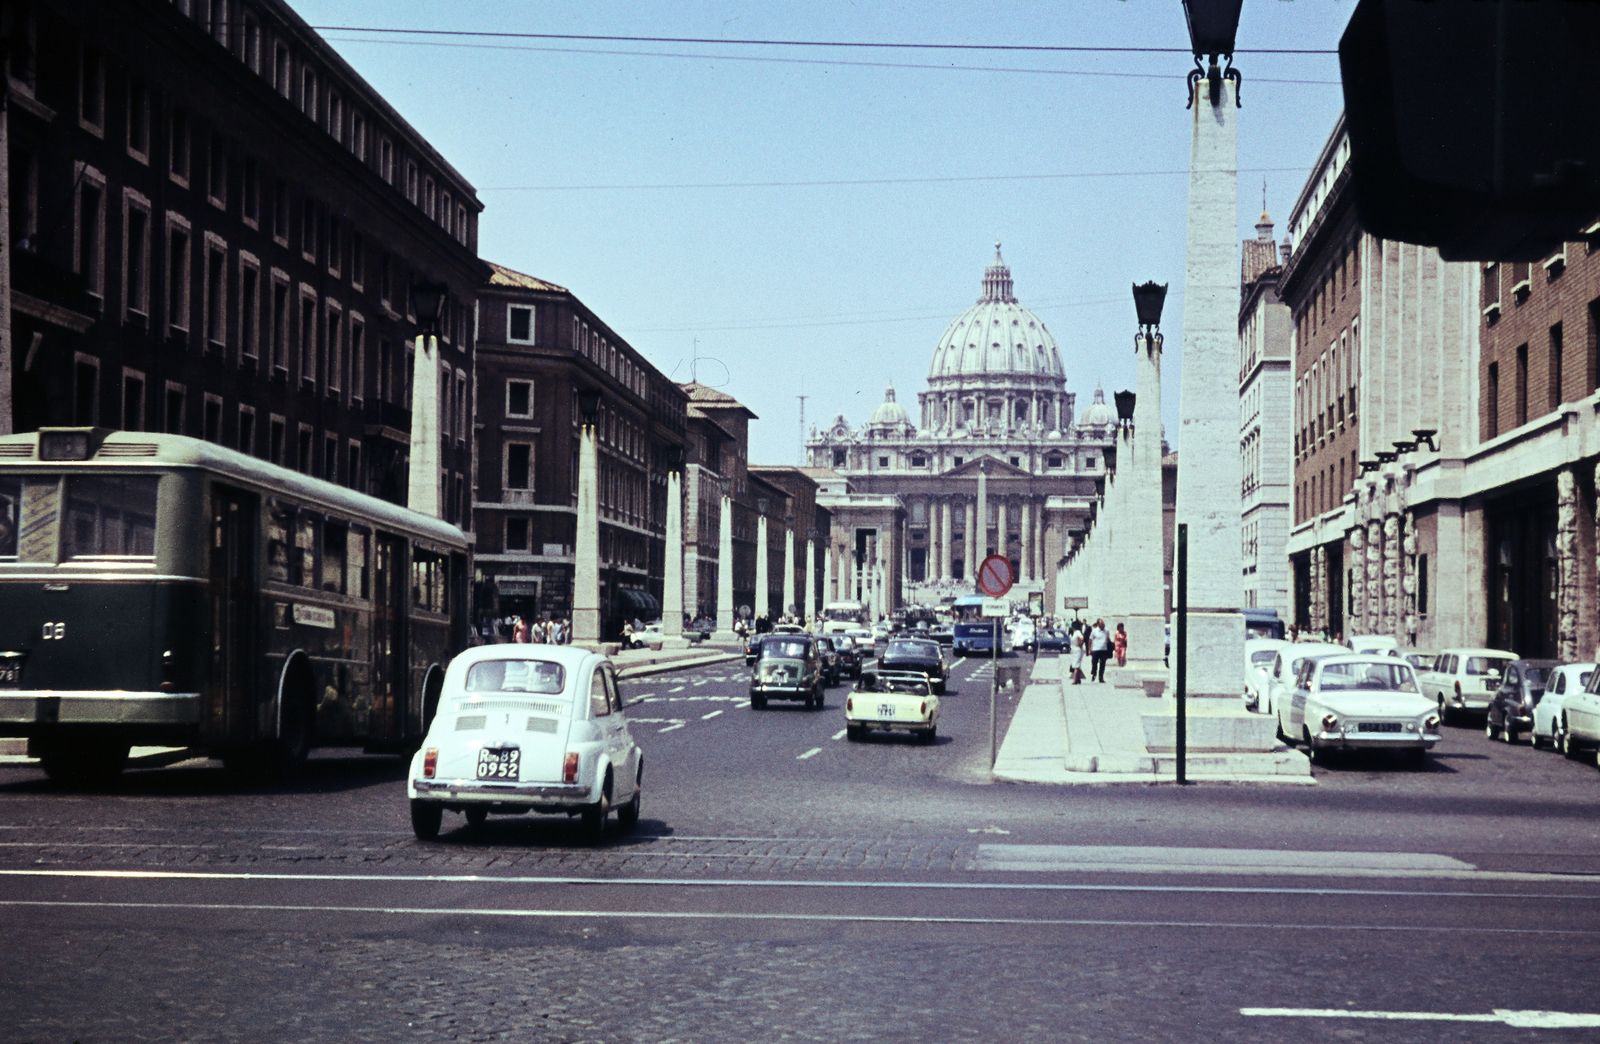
(786, 884)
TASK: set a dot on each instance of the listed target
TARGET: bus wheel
(93, 763)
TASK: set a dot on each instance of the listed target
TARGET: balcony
(516, 497)
(58, 294)
(387, 420)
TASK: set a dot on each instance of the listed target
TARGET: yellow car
(895, 701)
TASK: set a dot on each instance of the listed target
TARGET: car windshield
(1536, 676)
(784, 649)
(1422, 661)
(926, 649)
(1482, 665)
(1367, 676)
(1263, 656)
(539, 676)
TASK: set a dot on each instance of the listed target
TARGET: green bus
(161, 590)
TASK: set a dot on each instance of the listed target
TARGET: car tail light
(430, 762)
(924, 707)
(849, 704)
(569, 771)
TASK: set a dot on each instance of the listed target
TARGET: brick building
(810, 522)
(538, 346)
(215, 226)
(1266, 376)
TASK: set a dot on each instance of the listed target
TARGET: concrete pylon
(724, 633)
(1208, 404)
(789, 605)
(763, 601)
(1144, 577)
(586, 542)
(672, 571)
(983, 519)
(426, 460)
(830, 583)
(811, 582)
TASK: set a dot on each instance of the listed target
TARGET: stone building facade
(1266, 376)
(905, 496)
(215, 228)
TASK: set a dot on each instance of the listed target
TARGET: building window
(883, 462)
(252, 43)
(216, 295)
(516, 534)
(333, 347)
(308, 337)
(1053, 461)
(86, 391)
(250, 192)
(358, 135)
(247, 430)
(386, 160)
(1016, 462)
(275, 439)
(358, 260)
(336, 116)
(519, 324)
(1090, 462)
(519, 398)
(385, 372)
(280, 69)
(358, 358)
(92, 91)
(352, 470)
(918, 460)
(280, 321)
(178, 277)
(1520, 392)
(838, 458)
(957, 462)
(1422, 585)
(334, 245)
(173, 412)
(411, 181)
(211, 422)
(304, 449)
(1555, 366)
(280, 212)
(132, 400)
(519, 465)
(1492, 402)
(178, 148)
(308, 230)
(330, 457)
(89, 255)
(217, 172)
(139, 121)
(308, 92)
(249, 306)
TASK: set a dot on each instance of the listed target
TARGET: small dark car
(1521, 689)
(752, 649)
(849, 656)
(918, 655)
(788, 667)
(1048, 639)
(830, 658)
(944, 634)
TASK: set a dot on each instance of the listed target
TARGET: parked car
(1279, 689)
(701, 627)
(1580, 719)
(1371, 643)
(788, 667)
(1464, 680)
(524, 728)
(787, 628)
(1047, 639)
(1419, 659)
(915, 655)
(1569, 679)
(894, 702)
(882, 630)
(1352, 701)
(1521, 688)
(1259, 653)
(830, 657)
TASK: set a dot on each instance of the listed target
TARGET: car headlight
(1330, 723)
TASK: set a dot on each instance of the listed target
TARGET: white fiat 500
(527, 728)
(1353, 702)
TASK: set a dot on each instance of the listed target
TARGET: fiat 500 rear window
(539, 676)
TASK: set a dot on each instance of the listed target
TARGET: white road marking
(700, 681)
(840, 734)
(669, 728)
(1159, 859)
(708, 717)
(642, 697)
(678, 689)
(1523, 1019)
(685, 915)
(813, 752)
(737, 882)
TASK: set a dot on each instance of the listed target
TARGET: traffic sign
(996, 607)
(995, 577)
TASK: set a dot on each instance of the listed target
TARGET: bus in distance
(975, 633)
(839, 617)
(162, 590)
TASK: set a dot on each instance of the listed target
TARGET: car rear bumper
(1472, 703)
(891, 726)
(474, 792)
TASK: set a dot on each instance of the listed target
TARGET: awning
(638, 603)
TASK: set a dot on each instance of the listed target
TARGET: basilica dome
(996, 338)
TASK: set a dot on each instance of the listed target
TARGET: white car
(1464, 679)
(525, 728)
(1579, 727)
(1354, 701)
(1569, 679)
(1258, 656)
(863, 638)
(1279, 687)
(1371, 643)
(894, 701)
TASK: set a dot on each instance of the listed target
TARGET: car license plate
(10, 674)
(499, 764)
(1378, 726)
(885, 710)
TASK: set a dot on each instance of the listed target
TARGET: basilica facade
(997, 461)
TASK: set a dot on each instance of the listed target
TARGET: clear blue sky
(843, 288)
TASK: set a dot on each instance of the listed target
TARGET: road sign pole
(994, 686)
(1180, 683)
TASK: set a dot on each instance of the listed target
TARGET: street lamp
(1125, 401)
(1213, 24)
(426, 465)
(1426, 435)
(589, 405)
(672, 458)
(1148, 300)
(427, 301)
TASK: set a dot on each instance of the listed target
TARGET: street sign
(1074, 603)
(996, 607)
(994, 576)
(1035, 603)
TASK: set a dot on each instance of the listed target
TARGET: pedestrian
(1099, 651)
(1075, 644)
(519, 630)
(1119, 645)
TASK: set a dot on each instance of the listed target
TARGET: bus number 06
(55, 631)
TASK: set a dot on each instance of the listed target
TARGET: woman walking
(1077, 657)
(1119, 646)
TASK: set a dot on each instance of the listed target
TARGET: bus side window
(10, 514)
(428, 571)
(333, 556)
(305, 551)
(356, 564)
(280, 521)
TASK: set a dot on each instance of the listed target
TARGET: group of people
(541, 632)
(1099, 644)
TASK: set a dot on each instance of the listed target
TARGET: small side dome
(889, 412)
(1098, 415)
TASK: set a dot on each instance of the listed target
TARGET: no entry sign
(995, 577)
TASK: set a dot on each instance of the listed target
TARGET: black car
(849, 655)
(788, 667)
(1048, 639)
(829, 650)
(752, 649)
(916, 654)
(1521, 689)
(944, 634)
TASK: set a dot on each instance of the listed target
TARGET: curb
(649, 667)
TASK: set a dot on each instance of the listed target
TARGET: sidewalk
(1095, 733)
